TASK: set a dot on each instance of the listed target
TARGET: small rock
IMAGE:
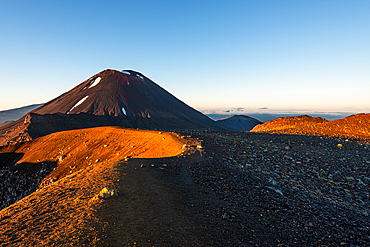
(276, 190)
(106, 193)
(360, 182)
(61, 158)
(225, 216)
(272, 181)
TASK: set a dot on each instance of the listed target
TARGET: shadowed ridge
(16, 113)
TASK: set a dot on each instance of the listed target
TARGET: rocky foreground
(290, 190)
(244, 189)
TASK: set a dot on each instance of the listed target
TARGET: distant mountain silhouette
(354, 126)
(239, 123)
(16, 113)
(109, 98)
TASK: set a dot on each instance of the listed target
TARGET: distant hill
(14, 114)
(265, 117)
(286, 124)
(239, 123)
(355, 126)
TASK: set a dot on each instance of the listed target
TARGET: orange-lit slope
(354, 126)
(288, 124)
(78, 149)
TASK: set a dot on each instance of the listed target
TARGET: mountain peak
(124, 98)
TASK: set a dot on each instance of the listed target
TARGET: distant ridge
(16, 113)
(355, 126)
(110, 98)
(239, 123)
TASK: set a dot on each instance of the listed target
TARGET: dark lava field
(289, 189)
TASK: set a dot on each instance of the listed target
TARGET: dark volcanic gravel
(258, 189)
(18, 183)
(287, 190)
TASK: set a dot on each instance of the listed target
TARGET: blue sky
(281, 55)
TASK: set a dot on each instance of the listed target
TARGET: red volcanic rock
(109, 98)
(282, 124)
(71, 148)
(354, 126)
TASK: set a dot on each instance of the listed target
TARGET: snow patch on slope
(91, 82)
(96, 82)
(123, 110)
(126, 72)
(78, 103)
